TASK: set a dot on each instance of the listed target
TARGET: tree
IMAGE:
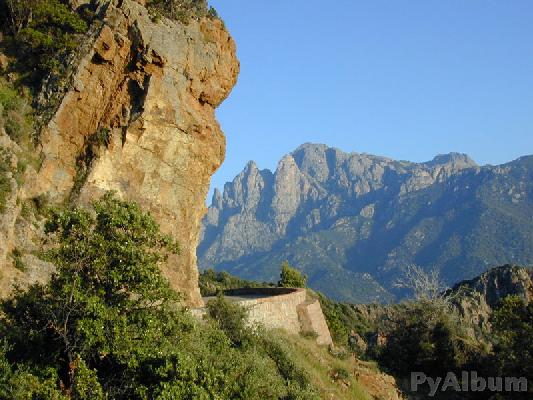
(16, 14)
(181, 10)
(41, 35)
(424, 336)
(291, 277)
(424, 285)
(107, 306)
(512, 325)
(108, 325)
(231, 318)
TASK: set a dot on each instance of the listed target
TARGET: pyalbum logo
(468, 382)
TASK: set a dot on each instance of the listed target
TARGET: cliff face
(477, 298)
(139, 119)
(351, 221)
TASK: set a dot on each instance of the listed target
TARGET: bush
(340, 373)
(298, 382)
(513, 329)
(336, 320)
(426, 336)
(41, 34)
(291, 277)
(181, 10)
(16, 254)
(230, 317)
(15, 114)
(211, 282)
(5, 181)
(108, 325)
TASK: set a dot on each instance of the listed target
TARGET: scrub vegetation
(108, 325)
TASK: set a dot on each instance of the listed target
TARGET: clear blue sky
(406, 79)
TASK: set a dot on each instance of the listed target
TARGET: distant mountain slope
(351, 221)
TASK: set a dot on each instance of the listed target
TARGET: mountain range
(352, 222)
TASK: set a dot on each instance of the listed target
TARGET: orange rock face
(150, 89)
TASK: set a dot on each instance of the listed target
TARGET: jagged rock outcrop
(139, 119)
(477, 298)
(474, 300)
(351, 221)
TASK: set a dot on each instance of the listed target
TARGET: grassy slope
(362, 380)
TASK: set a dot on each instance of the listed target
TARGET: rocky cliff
(138, 119)
(477, 298)
(351, 221)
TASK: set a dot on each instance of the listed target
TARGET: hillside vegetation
(482, 325)
(108, 326)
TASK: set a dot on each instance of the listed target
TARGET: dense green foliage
(291, 277)
(430, 334)
(343, 321)
(512, 326)
(231, 318)
(426, 336)
(430, 337)
(107, 325)
(181, 10)
(212, 282)
(40, 35)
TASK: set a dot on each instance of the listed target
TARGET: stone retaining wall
(283, 308)
(312, 320)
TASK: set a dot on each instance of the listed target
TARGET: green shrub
(340, 373)
(211, 282)
(5, 181)
(427, 336)
(16, 254)
(230, 317)
(41, 34)
(102, 137)
(85, 384)
(181, 10)
(342, 320)
(15, 114)
(309, 334)
(108, 325)
(512, 324)
(298, 382)
(291, 277)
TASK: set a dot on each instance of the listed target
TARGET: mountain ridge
(352, 220)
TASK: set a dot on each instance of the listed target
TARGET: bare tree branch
(425, 285)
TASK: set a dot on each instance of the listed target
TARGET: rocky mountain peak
(314, 160)
(352, 220)
(500, 282)
(458, 160)
(250, 167)
(216, 200)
